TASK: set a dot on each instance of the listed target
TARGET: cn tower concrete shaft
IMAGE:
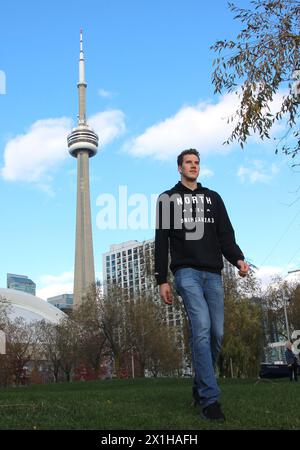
(84, 273)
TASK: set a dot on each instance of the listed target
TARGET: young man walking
(192, 222)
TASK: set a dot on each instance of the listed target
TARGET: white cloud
(28, 156)
(205, 172)
(55, 285)
(259, 171)
(104, 93)
(203, 126)
(266, 274)
(31, 156)
(47, 189)
(2, 83)
(108, 125)
(293, 277)
(52, 285)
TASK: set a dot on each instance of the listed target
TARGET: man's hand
(243, 268)
(166, 293)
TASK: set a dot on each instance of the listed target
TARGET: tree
(112, 315)
(68, 334)
(165, 356)
(294, 307)
(5, 309)
(180, 331)
(48, 337)
(93, 342)
(281, 301)
(4, 366)
(21, 346)
(243, 337)
(151, 340)
(257, 65)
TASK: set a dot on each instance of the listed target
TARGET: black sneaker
(213, 412)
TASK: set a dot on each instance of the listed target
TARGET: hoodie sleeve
(229, 247)
(161, 246)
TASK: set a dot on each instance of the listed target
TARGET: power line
(280, 239)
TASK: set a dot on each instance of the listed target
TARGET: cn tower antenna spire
(81, 85)
(81, 32)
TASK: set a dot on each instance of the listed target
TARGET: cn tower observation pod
(82, 138)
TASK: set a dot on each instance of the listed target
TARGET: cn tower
(83, 144)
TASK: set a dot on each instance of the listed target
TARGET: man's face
(190, 167)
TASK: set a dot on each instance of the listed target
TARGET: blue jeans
(203, 298)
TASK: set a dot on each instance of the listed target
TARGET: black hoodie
(196, 227)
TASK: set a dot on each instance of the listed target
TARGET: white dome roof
(29, 307)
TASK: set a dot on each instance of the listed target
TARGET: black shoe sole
(220, 420)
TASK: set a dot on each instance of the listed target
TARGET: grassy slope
(147, 404)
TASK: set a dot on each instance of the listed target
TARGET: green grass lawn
(147, 404)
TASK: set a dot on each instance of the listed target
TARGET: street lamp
(293, 271)
(285, 298)
(2, 343)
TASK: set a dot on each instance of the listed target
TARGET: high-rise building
(228, 270)
(64, 302)
(83, 144)
(124, 265)
(21, 283)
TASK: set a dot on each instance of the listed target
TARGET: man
(193, 223)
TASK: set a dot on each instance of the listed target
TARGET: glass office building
(21, 283)
(64, 302)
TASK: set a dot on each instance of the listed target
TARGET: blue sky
(149, 96)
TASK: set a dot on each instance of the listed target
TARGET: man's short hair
(190, 151)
